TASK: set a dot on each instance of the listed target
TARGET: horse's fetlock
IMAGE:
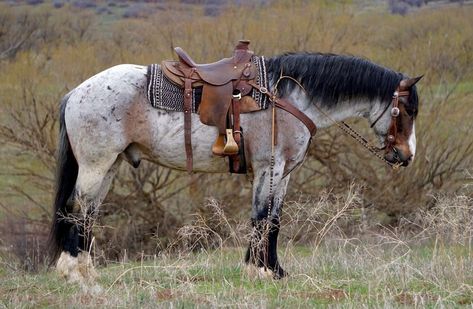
(86, 266)
(67, 267)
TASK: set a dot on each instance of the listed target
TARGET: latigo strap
(187, 122)
(288, 107)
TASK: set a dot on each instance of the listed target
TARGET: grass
(374, 271)
(427, 261)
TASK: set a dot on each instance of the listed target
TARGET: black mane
(330, 78)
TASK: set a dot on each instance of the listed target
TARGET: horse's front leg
(268, 196)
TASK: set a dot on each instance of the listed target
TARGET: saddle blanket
(164, 94)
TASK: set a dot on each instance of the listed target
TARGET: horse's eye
(410, 111)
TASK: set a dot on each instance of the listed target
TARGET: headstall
(392, 131)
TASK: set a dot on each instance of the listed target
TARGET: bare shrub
(449, 220)
(40, 29)
(16, 31)
(303, 222)
(58, 4)
(84, 4)
(211, 230)
(309, 220)
(23, 240)
(135, 11)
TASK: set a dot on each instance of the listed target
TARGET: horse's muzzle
(396, 156)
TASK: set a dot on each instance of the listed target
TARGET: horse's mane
(330, 78)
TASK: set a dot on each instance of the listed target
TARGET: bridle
(392, 131)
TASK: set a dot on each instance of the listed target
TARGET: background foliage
(48, 49)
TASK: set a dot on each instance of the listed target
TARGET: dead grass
(427, 262)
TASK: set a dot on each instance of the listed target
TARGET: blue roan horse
(108, 118)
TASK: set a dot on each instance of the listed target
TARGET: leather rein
(286, 105)
(392, 131)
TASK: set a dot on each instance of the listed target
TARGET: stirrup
(231, 147)
(219, 145)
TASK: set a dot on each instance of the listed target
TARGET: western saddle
(226, 88)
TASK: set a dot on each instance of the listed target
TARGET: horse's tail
(66, 176)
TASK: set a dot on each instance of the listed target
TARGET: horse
(108, 119)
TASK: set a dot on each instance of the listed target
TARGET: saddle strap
(288, 107)
(187, 122)
(236, 129)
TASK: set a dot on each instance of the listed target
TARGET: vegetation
(404, 238)
(382, 268)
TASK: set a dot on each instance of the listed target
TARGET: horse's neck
(324, 116)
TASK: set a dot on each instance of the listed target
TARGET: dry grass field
(429, 266)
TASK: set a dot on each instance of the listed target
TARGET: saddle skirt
(163, 93)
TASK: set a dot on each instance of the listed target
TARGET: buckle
(395, 111)
(237, 96)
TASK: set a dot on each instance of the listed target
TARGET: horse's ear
(408, 83)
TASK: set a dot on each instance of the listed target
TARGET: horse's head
(395, 125)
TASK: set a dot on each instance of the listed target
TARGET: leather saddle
(226, 85)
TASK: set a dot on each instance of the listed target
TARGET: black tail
(66, 176)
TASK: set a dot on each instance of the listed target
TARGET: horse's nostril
(396, 154)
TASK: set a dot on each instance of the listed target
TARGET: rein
(390, 139)
(346, 128)
(392, 131)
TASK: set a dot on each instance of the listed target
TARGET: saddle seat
(223, 71)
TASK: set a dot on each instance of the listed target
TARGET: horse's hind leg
(93, 182)
(262, 251)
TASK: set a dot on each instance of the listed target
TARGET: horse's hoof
(67, 267)
(279, 273)
(86, 266)
(78, 269)
(255, 272)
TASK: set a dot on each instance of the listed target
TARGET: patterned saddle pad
(164, 94)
